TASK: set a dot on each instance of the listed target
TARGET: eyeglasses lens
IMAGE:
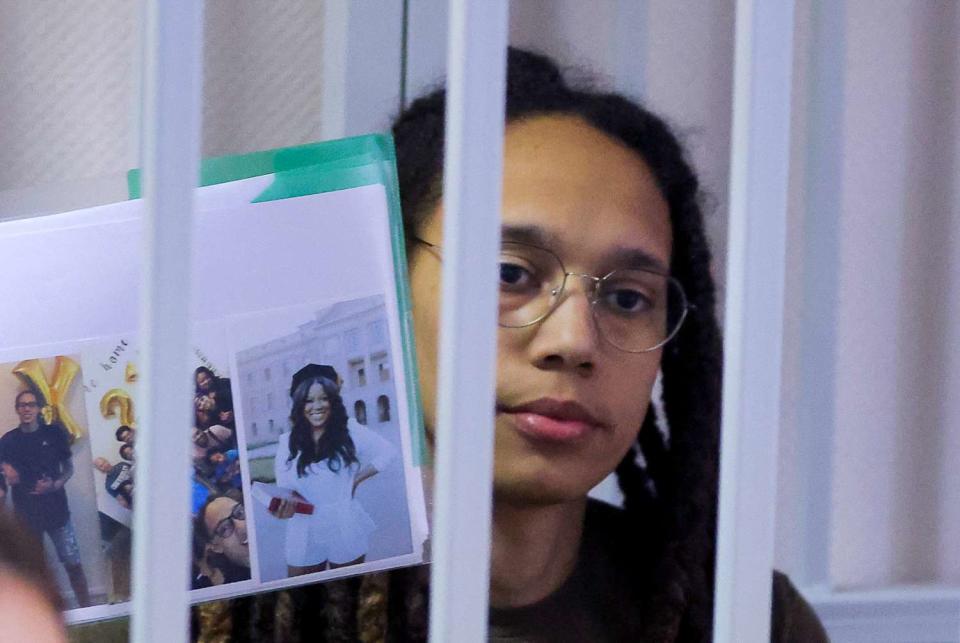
(635, 310)
(226, 527)
(530, 281)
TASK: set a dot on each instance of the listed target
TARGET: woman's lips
(543, 427)
(553, 421)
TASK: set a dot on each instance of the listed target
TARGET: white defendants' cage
(476, 54)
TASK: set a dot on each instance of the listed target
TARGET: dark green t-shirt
(595, 603)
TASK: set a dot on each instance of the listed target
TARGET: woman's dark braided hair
(671, 500)
(670, 493)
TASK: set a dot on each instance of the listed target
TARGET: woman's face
(204, 381)
(205, 402)
(228, 530)
(569, 404)
(317, 406)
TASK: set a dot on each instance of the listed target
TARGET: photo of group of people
(117, 539)
(297, 480)
(109, 376)
(221, 553)
(118, 478)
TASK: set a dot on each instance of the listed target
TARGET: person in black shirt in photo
(119, 480)
(37, 462)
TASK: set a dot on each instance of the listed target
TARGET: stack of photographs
(305, 432)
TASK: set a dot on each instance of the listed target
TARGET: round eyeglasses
(635, 310)
(227, 526)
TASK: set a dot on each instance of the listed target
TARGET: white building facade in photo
(350, 336)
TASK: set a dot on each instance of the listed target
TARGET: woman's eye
(628, 301)
(515, 277)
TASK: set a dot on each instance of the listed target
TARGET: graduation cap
(311, 371)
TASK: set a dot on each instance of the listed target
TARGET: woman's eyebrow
(620, 256)
(636, 258)
(530, 234)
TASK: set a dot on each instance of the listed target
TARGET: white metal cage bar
(173, 37)
(464, 440)
(754, 319)
(820, 247)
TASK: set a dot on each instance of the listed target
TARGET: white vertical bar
(754, 319)
(333, 69)
(632, 36)
(464, 435)
(426, 60)
(361, 71)
(172, 89)
(816, 417)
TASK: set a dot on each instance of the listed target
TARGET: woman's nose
(568, 337)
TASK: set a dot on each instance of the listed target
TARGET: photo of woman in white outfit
(323, 459)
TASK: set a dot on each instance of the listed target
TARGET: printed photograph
(324, 438)
(46, 482)
(221, 552)
(110, 367)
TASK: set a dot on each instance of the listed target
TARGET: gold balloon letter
(54, 393)
(114, 398)
(130, 373)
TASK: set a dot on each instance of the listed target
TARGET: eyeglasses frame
(231, 520)
(596, 281)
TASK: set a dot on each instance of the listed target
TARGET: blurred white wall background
(276, 74)
(869, 487)
(872, 354)
(66, 90)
